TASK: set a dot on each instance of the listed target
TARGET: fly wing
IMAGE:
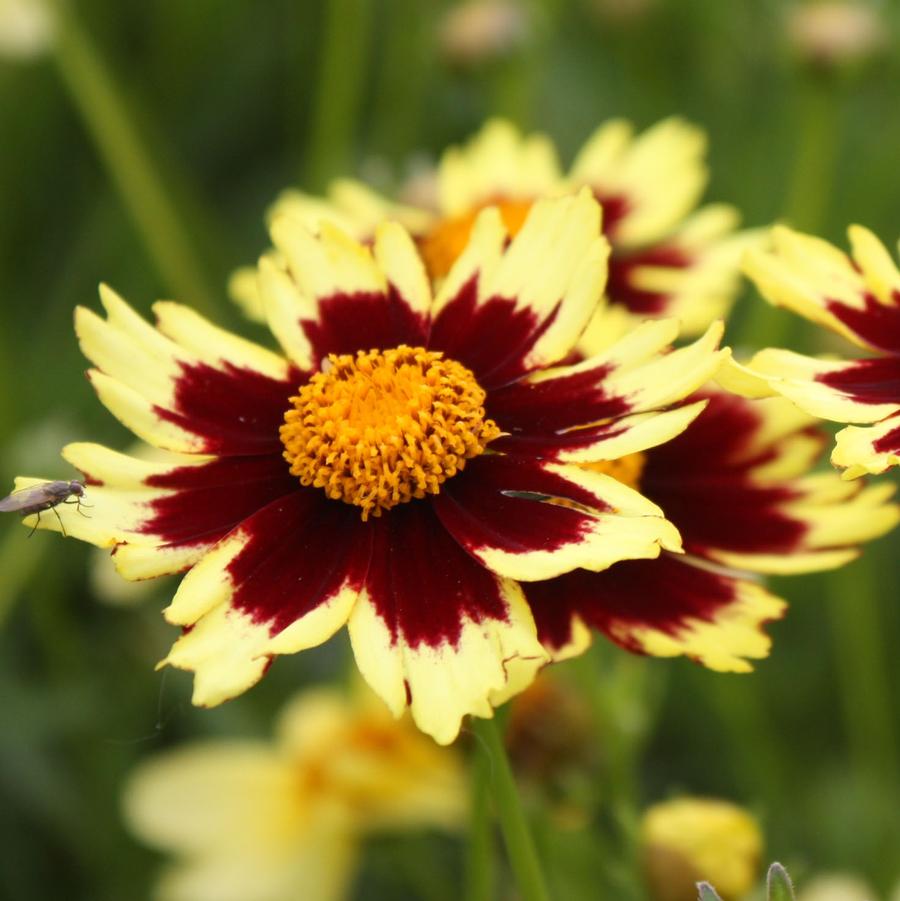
(23, 498)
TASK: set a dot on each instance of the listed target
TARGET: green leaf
(780, 887)
(705, 892)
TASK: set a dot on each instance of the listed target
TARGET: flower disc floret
(380, 428)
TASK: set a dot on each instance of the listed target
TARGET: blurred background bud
(836, 887)
(831, 33)
(549, 729)
(420, 187)
(687, 840)
(479, 31)
(26, 28)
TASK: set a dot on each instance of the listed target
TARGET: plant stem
(107, 117)
(863, 670)
(479, 846)
(339, 89)
(520, 846)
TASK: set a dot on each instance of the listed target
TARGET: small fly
(40, 498)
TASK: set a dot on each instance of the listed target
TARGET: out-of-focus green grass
(231, 101)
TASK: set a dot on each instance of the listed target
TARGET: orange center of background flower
(383, 427)
(627, 470)
(448, 239)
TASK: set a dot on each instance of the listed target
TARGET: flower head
(667, 258)
(403, 469)
(271, 821)
(689, 839)
(858, 297)
(738, 483)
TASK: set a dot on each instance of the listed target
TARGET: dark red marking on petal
(554, 404)
(235, 411)
(620, 287)
(878, 324)
(616, 208)
(495, 503)
(301, 549)
(423, 585)
(491, 338)
(702, 480)
(210, 500)
(551, 446)
(364, 320)
(663, 595)
(889, 443)
(867, 381)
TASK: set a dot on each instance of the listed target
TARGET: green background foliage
(235, 101)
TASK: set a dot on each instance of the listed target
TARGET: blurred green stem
(624, 698)
(520, 846)
(809, 190)
(479, 845)
(107, 116)
(406, 64)
(19, 561)
(866, 694)
(339, 89)
(819, 108)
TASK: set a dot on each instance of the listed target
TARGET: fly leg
(37, 523)
(61, 526)
(78, 505)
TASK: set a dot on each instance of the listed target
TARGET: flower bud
(26, 28)
(687, 840)
(482, 30)
(830, 33)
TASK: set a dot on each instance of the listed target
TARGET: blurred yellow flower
(276, 821)
(668, 257)
(691, 839)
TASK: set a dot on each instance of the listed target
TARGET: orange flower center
(627, 470)
(383, 427)
(447, 240)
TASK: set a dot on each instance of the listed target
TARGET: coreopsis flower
(858, 297)
(667, 259)
(738, 484)
(254, 820)
(686, 840)
(405, 465)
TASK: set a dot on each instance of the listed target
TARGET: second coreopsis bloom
(251, 820)
(667, 259)
(857, 296)
(738, 484)
(408, 463)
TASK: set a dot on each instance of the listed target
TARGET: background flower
(858, 298)
(274, 821)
